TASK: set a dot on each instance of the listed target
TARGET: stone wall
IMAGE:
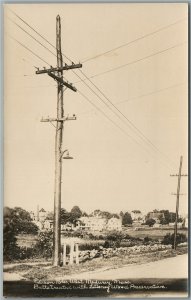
(109, 252)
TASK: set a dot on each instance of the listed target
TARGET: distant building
(155, 215)
(68, 226)
(42, 215)
(186, 222)
(136, 215)
(40, 219)
(99, 223)
(47, 224)
(114, 224)
(179, 225)
(91, 223)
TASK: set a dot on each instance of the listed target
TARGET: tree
(50, 216)
(84, 214)
(104, 214)
(169, 239)
(107, 215)
(75, 214)
(121, 214)
(150, 222)
(65, 216)
(169, 217)
(16, 221)
(10, 248)
(127, 219)
(23, 221)
(96, 213)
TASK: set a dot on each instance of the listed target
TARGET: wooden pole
(58, 153)
(177, 203)
(77, 254)
(64, 254)
(71, 253)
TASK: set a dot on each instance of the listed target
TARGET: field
(154, 233)
(27, 240)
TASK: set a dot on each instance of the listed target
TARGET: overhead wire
(81, 95)
(135, 128)
(135, 40)
(28, 49)
(151, 93)
(31, 36)
(135, 61)
(114, 123)
(107, 99)
(84, 73)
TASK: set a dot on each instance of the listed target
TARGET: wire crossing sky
(119, 142)
(132, 125)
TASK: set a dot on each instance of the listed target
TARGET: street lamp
(66, 156)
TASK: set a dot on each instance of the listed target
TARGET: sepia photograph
(96, 200)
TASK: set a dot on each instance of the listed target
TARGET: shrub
(25, 252)
(150, 222)
(146, 240)
(169, 239)
(44, 245)
(91, 246)
(114, 236)
(111, 244)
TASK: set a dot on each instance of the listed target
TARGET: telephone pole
(60, 119)
(179, 175)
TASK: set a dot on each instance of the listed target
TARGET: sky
(132, 111)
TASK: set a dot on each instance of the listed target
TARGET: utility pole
(179, 175)
(58, 139)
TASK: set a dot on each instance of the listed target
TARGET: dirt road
(173, 267)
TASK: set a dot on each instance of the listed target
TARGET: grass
(26, 240)
(49, 273)
(153, 232)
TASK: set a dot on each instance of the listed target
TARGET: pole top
(58, 17)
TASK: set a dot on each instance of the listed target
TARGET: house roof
(42, 210)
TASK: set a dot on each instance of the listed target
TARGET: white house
(68, 226)
(114, 224)
(48, 224)
(98, 223)
(136, 215)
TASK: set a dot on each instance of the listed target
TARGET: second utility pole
(177, 203)
(179, 175)
(58, 152)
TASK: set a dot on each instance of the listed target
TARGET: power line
(106, 116)
(30, 27)
(88, 87)
(32, 53)
(135, 40)
(81, 72)
(142, 136)
(82, 93)
(152, 93)
(104, 96)
(120, 128)
(31, 36)
(28, 49)
(137, 60)
(97, 87)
